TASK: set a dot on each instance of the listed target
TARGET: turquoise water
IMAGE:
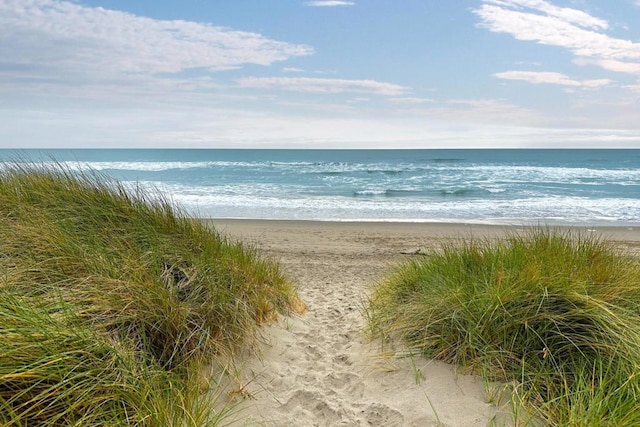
(482, 186)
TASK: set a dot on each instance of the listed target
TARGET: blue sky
(321, 74)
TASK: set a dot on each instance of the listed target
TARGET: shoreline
(620, 233)
(549, 224)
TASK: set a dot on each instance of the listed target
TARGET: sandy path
(318, 369)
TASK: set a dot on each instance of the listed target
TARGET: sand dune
(319, 369)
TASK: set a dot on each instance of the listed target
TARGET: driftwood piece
(414, 252)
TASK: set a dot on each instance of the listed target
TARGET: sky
(319, 74)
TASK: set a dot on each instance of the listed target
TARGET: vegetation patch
(112, 302)
(557, 314)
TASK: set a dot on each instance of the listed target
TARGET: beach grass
(112, 302)
(554, 313)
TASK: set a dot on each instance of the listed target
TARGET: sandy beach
(318, 369)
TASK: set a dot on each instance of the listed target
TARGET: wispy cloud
(328, 3)
(329, 86)
(611, 64)
(410, 100)
(575, 30)
(56, 35)
(540, 77)
(495, 111)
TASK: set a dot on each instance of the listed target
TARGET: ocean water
(581, 187)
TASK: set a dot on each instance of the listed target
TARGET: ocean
(554, 187)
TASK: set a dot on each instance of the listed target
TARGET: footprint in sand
(311, 405)
(343, 359)
(381, 415)
(345, 383)
(340, 380)
(313, 353)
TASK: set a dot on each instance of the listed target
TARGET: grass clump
(556, 314)
(112, 302)
(55, 369)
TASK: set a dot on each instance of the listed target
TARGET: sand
(319, 369)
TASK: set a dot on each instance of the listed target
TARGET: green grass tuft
(112, 301)
(557, 314)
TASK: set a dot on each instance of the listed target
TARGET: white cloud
(596, 83)
(56, 35)
(490, 111)
(328, 3)
(315, 85)
(410, 100)
(635, 87)
(545, 23)
(611, 65)
(538, 77)
(565, 14)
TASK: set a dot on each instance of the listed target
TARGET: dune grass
(55, 369)
(556, 314)
(112, 302)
